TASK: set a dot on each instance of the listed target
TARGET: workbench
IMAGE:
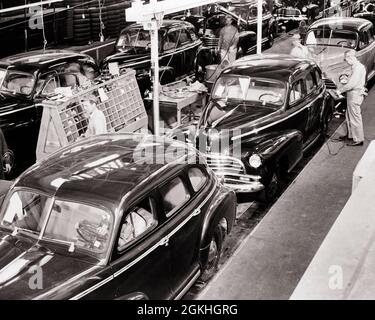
(179, 101)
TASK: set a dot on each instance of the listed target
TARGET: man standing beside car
(5, 165)
(228, 41)
(355, 93)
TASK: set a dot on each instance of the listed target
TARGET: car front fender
(283, 148)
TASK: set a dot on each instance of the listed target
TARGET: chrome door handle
(196, 212)
(164, 242)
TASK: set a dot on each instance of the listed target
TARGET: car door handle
(196, 212)
(164, 242)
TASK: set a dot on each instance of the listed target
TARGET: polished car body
(116, 216)
(25, 80)
(178, 49)
(289, 18)
(328, 39)
(265, 110)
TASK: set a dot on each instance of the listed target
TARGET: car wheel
(214, 254)
(272, 189)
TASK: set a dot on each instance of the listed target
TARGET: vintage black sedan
(265, 111)
(289, 18)
(116, 216)
(312, 9)
(25, 80)
(178, 45)
(244, 14)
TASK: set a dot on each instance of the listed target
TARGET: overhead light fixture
(30, 5)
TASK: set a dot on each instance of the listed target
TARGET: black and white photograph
(206, 151)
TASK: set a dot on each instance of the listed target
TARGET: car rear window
(197, 178)
(174, 196)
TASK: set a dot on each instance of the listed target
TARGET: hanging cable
(101, 24)
(43, 30)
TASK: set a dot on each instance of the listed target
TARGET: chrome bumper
(232, 174)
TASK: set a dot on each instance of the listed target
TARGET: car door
(19, 119)
(141, 256)
(184, 200)
(315, 100)
(366, 53)
(296, 114)
(173, 55)
(189, 50)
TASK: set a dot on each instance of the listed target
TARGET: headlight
(255, 161)
(304, 9)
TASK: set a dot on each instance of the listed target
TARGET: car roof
(271, 66)
(40, 60)
(347, 23)
(101, 170)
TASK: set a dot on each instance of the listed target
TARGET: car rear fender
(222, 210)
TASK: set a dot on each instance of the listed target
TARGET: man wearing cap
(355, 93)
(299, 50)
(228, 41)
(97, 123)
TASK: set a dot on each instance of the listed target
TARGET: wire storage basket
(64, 120)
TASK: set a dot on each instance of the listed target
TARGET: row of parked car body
(100, 223)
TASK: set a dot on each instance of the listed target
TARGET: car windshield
(136, 38)
(16, 82)
(78, 225)
(245, 89)
(329, 37)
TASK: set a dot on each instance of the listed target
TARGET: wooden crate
(64, 121)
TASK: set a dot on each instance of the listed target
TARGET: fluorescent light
(26, 6)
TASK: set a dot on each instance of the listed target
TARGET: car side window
(174, 195)
(318, 77)
(297, 92)
(183, 38)
(50, 86)
(370, 35)
(310, 83)
(193, 35)
(363, 40)
(138, 221)
(197, 178)
(171, 39)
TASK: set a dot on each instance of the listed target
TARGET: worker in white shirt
(228, 41)
(299, 50)
(97, 122)
(355, 94)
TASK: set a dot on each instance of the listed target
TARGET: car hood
(234, 116)
(331, 61)
(129, 56)
(22, 261)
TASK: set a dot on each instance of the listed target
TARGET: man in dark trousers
(5, 165)
(355, 93)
